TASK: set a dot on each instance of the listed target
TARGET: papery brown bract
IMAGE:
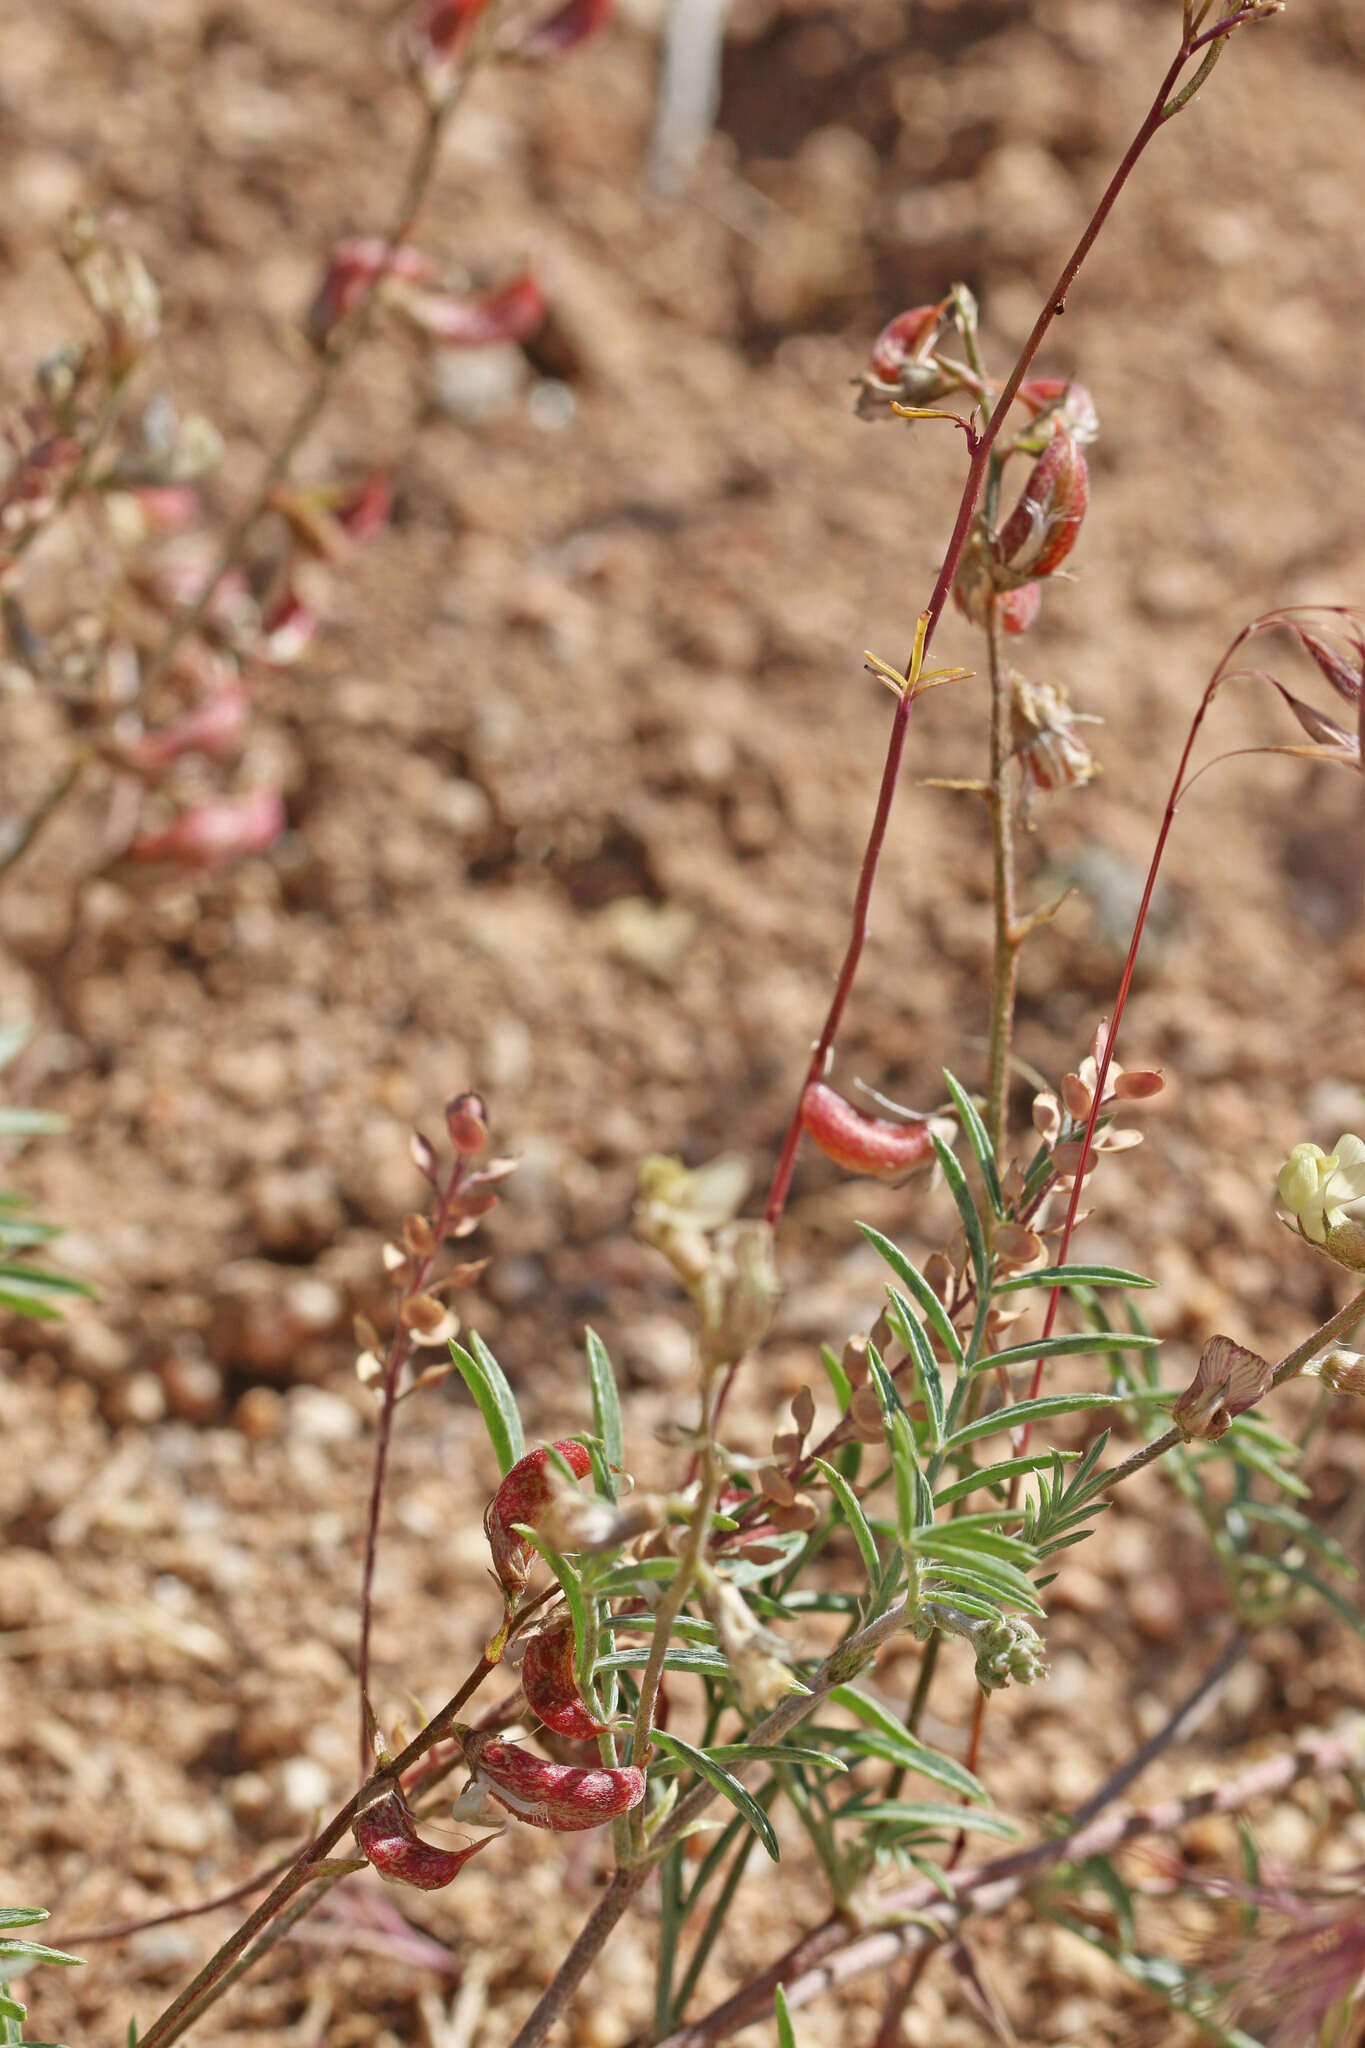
(523, 1497)
(561, 1797)
(550, 1683)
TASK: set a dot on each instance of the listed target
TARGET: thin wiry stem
(1006, 958)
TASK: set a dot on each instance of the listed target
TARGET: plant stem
(399, 1350)
(976, 473)
(1007, 939)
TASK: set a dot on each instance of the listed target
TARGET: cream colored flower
(1318, 1187)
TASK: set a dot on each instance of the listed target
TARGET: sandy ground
(577, 779)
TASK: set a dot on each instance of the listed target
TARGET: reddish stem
(971, 491)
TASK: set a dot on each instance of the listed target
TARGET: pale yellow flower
(1318, 1187)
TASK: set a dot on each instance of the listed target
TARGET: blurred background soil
(577, 778)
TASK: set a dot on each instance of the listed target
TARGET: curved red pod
(858, 1143)
(1041, 530)
(560, 1797)
(387, 1838)
(524, 1495)
(550, 1684)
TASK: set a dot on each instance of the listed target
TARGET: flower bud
(1041, 530)
(1340, 1370)
(387, 1838)
(550, 1683)
(352, 269)
(523, 1497)
(228, 828)
(555, 1796)
(863, 1144)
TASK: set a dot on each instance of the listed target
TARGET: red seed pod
(351, 269)
(229, 828)
(214, 728)
(550, 1684)
(903, 340)
(523, 1497)
(387, 1838)
(363, 514)
(1019, 608)
(1041, 530)
(862, 1144)
(1070, 401)
(556, 1796)
(511, 313)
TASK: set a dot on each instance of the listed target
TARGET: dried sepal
(1340, 1370)
(753, 1653)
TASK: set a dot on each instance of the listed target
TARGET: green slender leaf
(975, 1132)
(720, 1780)
(1038, 1411)
(786, 2032)
(852, 1511)
(990, 1576)
(838, 1378)
(10, 2008)
(966, 1209)
(683, 1657)
(1075, 1343)
(913, 1813)
(26, 1952)
(775, 1753)
(972, 1539)
(915, 1338)
(905, 1748)
(19, 1916)
(914, 1502)
(995, 1475)
(30, 1123)
(13, 1039)
(487, 1382)
(909, 1276)
(1073, 1276)
(17, 1236)
(606, 1404)
(36, 1280)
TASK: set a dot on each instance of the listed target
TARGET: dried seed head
(1229, 1379)
(525, 1494)
(550, 1683)
(1041, 531)
(387, 1838)
(547, 1795)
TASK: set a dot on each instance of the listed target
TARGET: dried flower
(677, 1207)
(902, 368)
(737, 1293)
(555, 1796)
(1318, 1187)
(1229, 1380)
(1064, 399)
